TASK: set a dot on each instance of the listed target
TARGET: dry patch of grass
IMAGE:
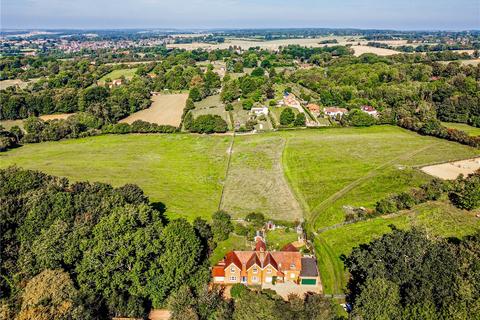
(165, 109)
(255, 181)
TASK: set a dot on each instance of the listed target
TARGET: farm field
(165, 109)
(270, 45)
(255, 180)
(8, 124)
(472, 131)
(116, 74)
(4, 84)
(171, 169)
(211, 105)
(359, 50)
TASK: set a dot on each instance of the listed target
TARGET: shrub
(209, 123)
(247, 104)
(358, 118)
(287, 117)
(300, 120)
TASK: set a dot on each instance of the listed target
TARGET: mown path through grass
(337, 195)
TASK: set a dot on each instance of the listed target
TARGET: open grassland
(185, 172)
(472, 131)
(117, 74)
(331, 168)
(437, 218)
(255, 180)
(165, 109)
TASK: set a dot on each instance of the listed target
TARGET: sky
(365, 14)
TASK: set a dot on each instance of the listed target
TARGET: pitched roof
(286, 259)
(260, 246)
(254, 260)
(335, 109)
(309, 268)
(218, 271)
(289, 247)
(269, 260)
(313, 107)
(232, 257)
(368, 108)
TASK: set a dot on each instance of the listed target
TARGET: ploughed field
(315, 174)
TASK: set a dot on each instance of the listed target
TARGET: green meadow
(117, 74)
(287, 175)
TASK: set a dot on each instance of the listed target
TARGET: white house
(334, 111)
(259, 111)
(370, 110)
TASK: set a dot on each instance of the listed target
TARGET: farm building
(259, 111)
(370, 110)
(334, 111)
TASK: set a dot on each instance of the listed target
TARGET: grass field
(172, 169)
(436, 218)
(473, 131)
(255, 181)
(326, 170)
(277, 239)
(116, 74)
(234, 242)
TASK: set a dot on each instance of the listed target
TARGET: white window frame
(232, 269)
(254, 279)
(233, 278)
(255, 270)
(269, 270)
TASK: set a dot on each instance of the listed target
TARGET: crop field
(314, 174)
(165, 109)
(172, 169)
(255, 180)
(8, 124)
(116, 74)
(359, 50)
(472, 131)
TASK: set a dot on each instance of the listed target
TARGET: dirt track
(165, 109)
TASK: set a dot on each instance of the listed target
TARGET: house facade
(334, 111)
(259, 266)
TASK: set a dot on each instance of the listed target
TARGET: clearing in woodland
(165, 109)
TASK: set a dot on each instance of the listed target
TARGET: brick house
(260, 266)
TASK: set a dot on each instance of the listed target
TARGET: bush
(287, 117)
(300, 120)
(209, 123)
(465, 193)
(257, 219)
(247, 104)
(258, 72)
(358, 118)
(229, 107)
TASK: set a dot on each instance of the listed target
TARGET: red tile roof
(260, 246)
(218, 271)
(290, 247)
(230, 258)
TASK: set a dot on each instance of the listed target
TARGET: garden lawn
(234, 242)
(278, 238)
(184, 172)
